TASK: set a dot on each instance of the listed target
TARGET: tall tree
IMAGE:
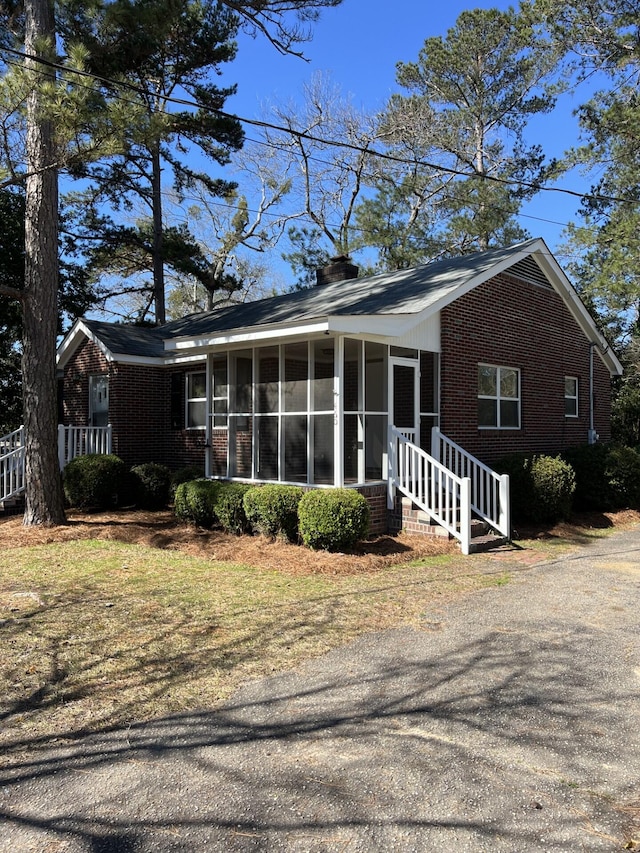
(461, 128)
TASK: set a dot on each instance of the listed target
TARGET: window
(196, 400)
(570, 397)
(498, 397)
(98, 401)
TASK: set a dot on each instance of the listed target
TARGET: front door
(405, 376)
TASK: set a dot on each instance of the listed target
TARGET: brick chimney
(338, 269)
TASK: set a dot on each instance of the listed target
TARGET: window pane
(267, 429)
(196, 413)
(323, 370)
(197, 385)
(323, 449)
(268, 376)
(508, 382)
(375, 445)
(295, 448)
(296, 371)
(488, 413)
(509, 413)
(571, 407)
(570, 386)
(487, 380)
(375, 377)
(352, 374)
(403, 352)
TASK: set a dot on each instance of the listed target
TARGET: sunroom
(315, 411)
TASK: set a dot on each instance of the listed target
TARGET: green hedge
(152, 484)
(195, 501)
(333, 519)
(541, 487)
(95, 481)
(229, 507)
(607, 476)
(273, 510)
(184, 475)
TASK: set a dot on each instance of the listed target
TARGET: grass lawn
(98, 632)
(101, 633)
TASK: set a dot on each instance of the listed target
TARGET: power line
(299, 134)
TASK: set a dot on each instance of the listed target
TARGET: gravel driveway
(511, 722)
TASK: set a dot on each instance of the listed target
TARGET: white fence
(12, 464)
(72, 441)
(489, 491)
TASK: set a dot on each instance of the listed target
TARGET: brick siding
(507, 322)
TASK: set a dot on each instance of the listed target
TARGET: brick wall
(377, 499)
(87, 361)
(507, 322)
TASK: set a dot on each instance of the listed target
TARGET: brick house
(403, 385)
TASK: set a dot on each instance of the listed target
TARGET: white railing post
(391, 469)
(505, 506)
(465, 515)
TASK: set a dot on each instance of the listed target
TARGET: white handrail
(430, 485)
(489, 490)
(81, 440)
(12, 464)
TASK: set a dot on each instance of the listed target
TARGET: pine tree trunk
(44, 497)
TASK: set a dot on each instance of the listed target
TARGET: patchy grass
(120, 618)
(100, 633)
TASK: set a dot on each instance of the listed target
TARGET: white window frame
(498, 398)
(189, 400)
(573, 397)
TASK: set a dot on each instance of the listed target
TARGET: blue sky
(359, 43)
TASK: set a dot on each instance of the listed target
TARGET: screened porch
(316, 412)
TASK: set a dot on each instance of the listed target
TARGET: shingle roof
(402, 292)
(146, 341)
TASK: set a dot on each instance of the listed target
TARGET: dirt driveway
(511, 722)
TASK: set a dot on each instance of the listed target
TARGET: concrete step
(12, 506)
(486, 542)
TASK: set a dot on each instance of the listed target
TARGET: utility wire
(300, 134)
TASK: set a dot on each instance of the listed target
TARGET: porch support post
(338, 413)
(505, 506)
(391, 467)
(209, 417)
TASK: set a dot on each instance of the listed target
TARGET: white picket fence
(72, 441)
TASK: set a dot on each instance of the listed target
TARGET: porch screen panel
(267, 447)
(375, 431)
(323, 371)
(352, 445)
(428, 397)
(268, 379)
(294, 429)
(323, 449)
(296, 372)
(352, 375)
(375, 377)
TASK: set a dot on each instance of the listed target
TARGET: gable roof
(387, 304)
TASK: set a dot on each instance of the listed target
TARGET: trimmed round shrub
(273, 510)
(195, 501)
(230, 507)
(95, 481)
(623, 471)
(541, 487)
(184, 475)
(152, 484)
(333, 519)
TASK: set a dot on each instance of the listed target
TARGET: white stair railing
(489, 490)
(81, 440)
(442, 494)
(11, 464)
